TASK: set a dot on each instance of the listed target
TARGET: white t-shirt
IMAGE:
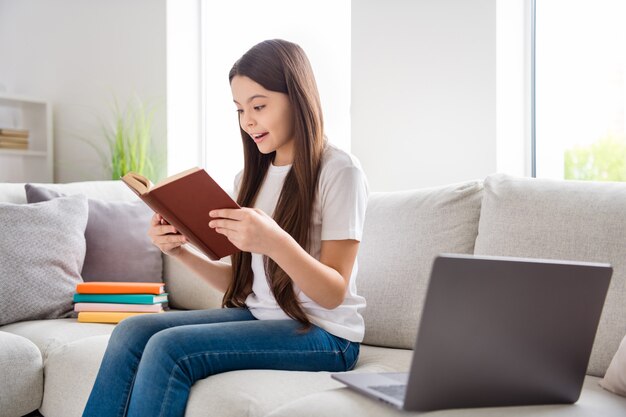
(338, 214)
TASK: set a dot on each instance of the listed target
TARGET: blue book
(121, 298)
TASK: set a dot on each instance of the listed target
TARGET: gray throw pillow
(41, 254)
(118, 247)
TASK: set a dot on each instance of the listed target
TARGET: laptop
(497, 331)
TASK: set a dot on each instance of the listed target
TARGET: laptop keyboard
(394, 391)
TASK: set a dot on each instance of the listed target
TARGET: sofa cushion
(118, 245)
(71, 371)
(593, 402)
(403, 233)
(615, 377)
(569, 220)
(12, 193)
(42, 251)
(104, 190)
(48, 335)
(21, 375)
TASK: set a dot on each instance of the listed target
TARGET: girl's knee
(134, 330)
(164, 344)
(128, 325)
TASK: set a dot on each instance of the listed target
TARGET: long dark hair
(281, 66)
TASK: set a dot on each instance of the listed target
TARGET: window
(229, 29)
(580, 89)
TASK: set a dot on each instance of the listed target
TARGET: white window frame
(514, 136)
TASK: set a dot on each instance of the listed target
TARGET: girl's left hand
(249, 229)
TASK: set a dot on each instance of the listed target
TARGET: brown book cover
(12, 145)
(14, 132)
(13, 139)
(185, 200)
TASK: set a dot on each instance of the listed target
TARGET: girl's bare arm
(170, 242)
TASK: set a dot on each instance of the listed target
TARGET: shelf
(20, 98)
(34, 164)
(23, 152)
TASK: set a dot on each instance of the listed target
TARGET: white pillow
(615, 377)
(42, 251)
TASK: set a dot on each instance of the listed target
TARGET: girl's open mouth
(260, 137)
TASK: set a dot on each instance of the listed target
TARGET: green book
(121, 298)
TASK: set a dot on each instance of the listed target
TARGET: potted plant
(129, 139)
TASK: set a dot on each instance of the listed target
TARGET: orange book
(185, 200)
(105, 287)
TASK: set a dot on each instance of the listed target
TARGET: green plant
(129, 140)
(603, 160)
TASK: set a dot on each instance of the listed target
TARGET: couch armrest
(188, 291)
(21, 385)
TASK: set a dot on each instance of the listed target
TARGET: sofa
(50, 365)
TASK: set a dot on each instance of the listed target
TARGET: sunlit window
(321, 28)
(581, 89)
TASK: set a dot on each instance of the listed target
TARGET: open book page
(141, 185)
(138, 183)
(175, 177)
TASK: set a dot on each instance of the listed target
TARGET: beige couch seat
(73, 352)
(593, 402)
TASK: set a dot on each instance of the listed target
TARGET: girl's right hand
(165, 236)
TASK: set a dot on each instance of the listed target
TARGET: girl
(290, 296)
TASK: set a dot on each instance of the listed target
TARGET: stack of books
(110, 302)
(13, 139)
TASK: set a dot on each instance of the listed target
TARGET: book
(143, 308)
(11, 145)
(185, 200)
(13, 139)
(105, 316)
(14, 132)
(121, 298)
(103, 287)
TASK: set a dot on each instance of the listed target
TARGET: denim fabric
(152, 360)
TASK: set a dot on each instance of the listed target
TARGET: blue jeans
(152, 360)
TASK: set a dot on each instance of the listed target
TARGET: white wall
(423, 80)
(423, 91)
(78, 54)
